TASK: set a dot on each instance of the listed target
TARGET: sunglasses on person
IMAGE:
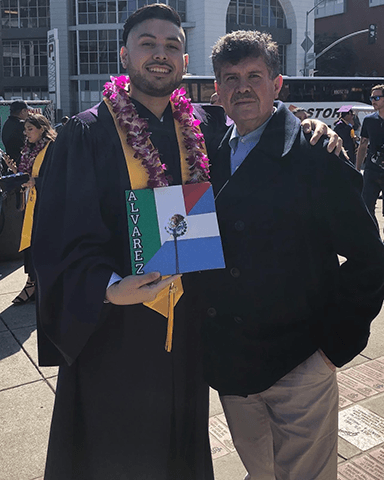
(376, 97)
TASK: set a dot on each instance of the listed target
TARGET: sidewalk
(27, 396)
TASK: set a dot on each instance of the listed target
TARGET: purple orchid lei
(137, 135)
(29, 154)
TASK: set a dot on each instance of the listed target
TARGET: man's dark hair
(236, 46)
(344, 114)
(378, 87)
(16, 107)
(158, 11)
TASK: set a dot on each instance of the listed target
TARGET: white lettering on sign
(138, 256)
(139, 268)
(134, 218)
(133, 209)
(136, 242)
(136, 232)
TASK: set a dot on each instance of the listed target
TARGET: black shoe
(27, 295)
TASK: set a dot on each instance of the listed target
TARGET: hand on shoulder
(319, 129)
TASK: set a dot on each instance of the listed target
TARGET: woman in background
(39, 139)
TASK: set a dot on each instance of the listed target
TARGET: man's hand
(327, 361)
(319, 129)
(135, 289)
(31, 183)
(361, 153)
(10, 163)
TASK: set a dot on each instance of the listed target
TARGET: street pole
(306, 36)
(338, 41)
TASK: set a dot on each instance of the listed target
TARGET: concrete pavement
(27, 396)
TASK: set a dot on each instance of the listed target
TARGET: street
(27, 396)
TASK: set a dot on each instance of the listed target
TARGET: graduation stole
(26, 231)
(149, 173)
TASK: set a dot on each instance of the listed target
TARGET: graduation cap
(345, 108)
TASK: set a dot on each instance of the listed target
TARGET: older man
(284, 312)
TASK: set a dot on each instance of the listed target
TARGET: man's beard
(145, 86)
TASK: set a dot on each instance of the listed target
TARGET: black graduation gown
(125, 408)
(28, 262)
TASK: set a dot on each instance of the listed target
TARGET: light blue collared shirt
(241, 146)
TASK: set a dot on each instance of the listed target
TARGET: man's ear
(217, 87)
(278, 83)
(124, 57)
(186, 61)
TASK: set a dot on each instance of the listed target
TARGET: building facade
(85, 38)
(338, 18)
(23, 48)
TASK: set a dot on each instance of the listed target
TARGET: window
(329, 8)
(25, 58)
(115, 11)
(98, 52)
(25, 13)
(256, 13)
(27, 94)
(375, 3)
(90, 92)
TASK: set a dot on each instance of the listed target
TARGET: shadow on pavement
(11, 344)
(16, 326)
(6, 268)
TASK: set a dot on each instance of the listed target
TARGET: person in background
(344, 128)
(63, 122)
(39, 137)
(284, 312)
(371, 150)
(300, 113)
(13, 130)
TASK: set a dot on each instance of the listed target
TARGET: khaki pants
(289, 432)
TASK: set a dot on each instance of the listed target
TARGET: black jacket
(344, 132)
(13, 137)
(284, 217)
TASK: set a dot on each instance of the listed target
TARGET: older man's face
(247, 92)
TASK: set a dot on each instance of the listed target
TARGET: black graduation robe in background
(125, 408)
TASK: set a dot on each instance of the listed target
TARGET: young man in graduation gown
(126, 409)
(286, 310)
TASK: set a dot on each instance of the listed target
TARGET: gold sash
(26, 231)
(167, 298)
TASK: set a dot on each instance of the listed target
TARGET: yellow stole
(26, 231)
(167, 298)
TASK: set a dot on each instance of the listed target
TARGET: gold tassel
(171, 304)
